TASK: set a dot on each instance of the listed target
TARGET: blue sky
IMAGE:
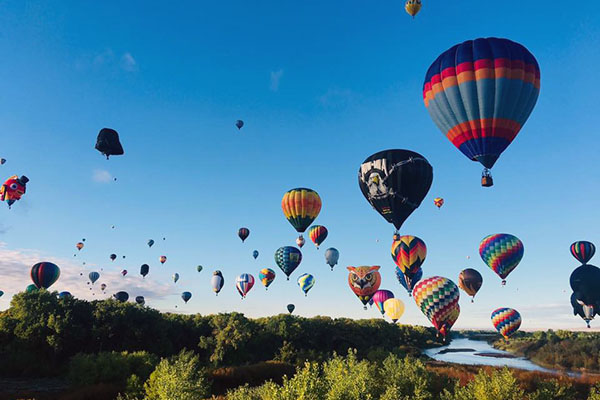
(320, 87)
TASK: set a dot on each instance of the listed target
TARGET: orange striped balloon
(301, 206)
(409, 254)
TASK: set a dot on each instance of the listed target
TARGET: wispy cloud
(337, 98)
(101, 176)
(16, 264)
(103, 58)
(128, 63)
(275, 79)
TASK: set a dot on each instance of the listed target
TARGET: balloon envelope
(291, 308)
(585, 282)
(243, 233)
(501, 252)
(409, 254)
(301, 206)
(393, 308)
(186, 296)
(306, 282)
(44, 274)
(437, 297)
(332, 256)
(506, 321)
(244, 283)
(217, 281)
(409, 282)
(108, 143)
(395, 182)
(140, 300)
(144, 269)
(150, 244)
(583, 251)
(288, 258)
(470, 281)
(380, 297)
(266, 276)
(364, 281)
(412, 7)
(255, 254)
(94, 276)
(317, 233)
(121, 296)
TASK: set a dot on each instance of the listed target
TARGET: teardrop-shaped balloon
(140, 300)
(437, 297)
(501, 252)
(121, 296)
(243, 233)
(364, 281)
(199, 268)
(113, 257)
(266, 276)
(332, 256)
(291, 308)
(318, 234)
(144, 269)
(79, 245)
(175, 277)
(94, 276)
(301, 206)
(124, 272)
(438, 202)
(380, 297)
(150, 244)
(300, 241)
(239, 124)
(217, 281)
(244, 283)
(470, 281)
(306, 282)
(395, 182)
(44, 274)
(393, 308)
(288, 258)
(409, 282)
(480, 93)
(412, 7)
(583, 251)
(186, 296)
(31, 288)
(255, 254)
(103, 287)
(506, 321)
(162, 259)
(409, 254)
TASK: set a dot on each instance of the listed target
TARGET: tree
(178, 378)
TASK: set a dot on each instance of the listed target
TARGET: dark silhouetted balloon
(121, 296)
(144, 269)
(291, 308)
(108, 143)
(44, 274)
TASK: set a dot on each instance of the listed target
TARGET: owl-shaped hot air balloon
(437, 297)
(506, 321)
(502, 252)
(301, 206)
(244, 283)
(266, 277)
(583, 251)
(318, 234)
(44, 274)
(13, 189)
(480, 93)
(364, 282)
(412, 7)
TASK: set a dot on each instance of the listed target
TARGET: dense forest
(109, 350)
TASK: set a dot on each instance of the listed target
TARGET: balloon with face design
(364, 282)
(13, 188)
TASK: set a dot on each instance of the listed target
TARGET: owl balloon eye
(369, 277)
(13, 186)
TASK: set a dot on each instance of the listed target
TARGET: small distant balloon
(162, 259)
(394, 308)
(239, 124)
(244, 283)
(243, 233)
(175, 277)
(113, 257)
(144, 269)
(300, 241)
(121, 296)
(255, 254)
(291, 308)
(318, 234)
(124, 272)
(108, 143)
(64, 295)
(150, 243)
(217, 281)
(412, 7)
(13, 189)
(103, 286)
(306, 282)
(44, 274)
(266, 276)
(2, 161)
(438, 202)
(79, 245)
(332, 256)
(186, 296)
(199, 268)
(583, 251)
(140, 300)
(94, 276)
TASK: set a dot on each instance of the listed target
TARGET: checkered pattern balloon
(437, 297)
(506, 321)
(501, 252)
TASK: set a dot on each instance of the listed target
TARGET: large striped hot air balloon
(583, 251)
(506, 321)
(409, 254)
(501, 252)
(479, 94)
(301, 206)
(44, 274)
(437, 297)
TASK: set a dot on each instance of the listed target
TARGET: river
(472, 356)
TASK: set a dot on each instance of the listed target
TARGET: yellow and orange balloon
(301, 206)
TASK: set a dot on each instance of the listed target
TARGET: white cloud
(101, 176)
(337, 98)
(275, 79)
(103, 58)
(16, 264)
(128, 63)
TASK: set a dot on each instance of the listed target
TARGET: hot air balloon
(438, 202)
(394, 308)
(199, 268)
(124, 272)
(301, 206)
(306, 282)
(162, 259)
(64, 295)
(239, 124)
(380, 297)
(409, 282)
(79, 245)
(44, 274)
(479, 94)
(186, 296)
(395, 182)
(2, 161)
(31, 288)
(506, 321)
(291, 308)
(13, 189)
(217, 281)
(585, 282)
(364, 282)
(317, 233)
(587, 313)
(583, 251)
(288, 258)
(140, 300)
(144, 269)
(108, 143)
(121, 296)
(412, 7)
(502, 252)
(437, 297)
(94, 276)
(113, 257)
(244, 283)
(409, 254)
(243, 233)
(332, 256)
(266, 277)
(300, 241)
(255, 254)
(470, 281)
(175, 277)
(150, 244)
(103, 286)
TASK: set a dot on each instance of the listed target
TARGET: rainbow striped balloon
(501, 252)
(437, 297)
(318, 234)
(44, 274)
(583, 251)
(506, 321)
(409, 252)
(480, 93)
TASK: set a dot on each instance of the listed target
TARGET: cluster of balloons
(585, 282)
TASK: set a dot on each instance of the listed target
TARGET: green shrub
(406, 378)
(552, 389)
(595, 393)
(499, 385)
(110, 367)
(178, 378)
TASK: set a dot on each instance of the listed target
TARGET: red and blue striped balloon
(480, 93)
(44, 274)
(506, 321)
(583, 251)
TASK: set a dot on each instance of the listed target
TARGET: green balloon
(199, 268)
(31, 288)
